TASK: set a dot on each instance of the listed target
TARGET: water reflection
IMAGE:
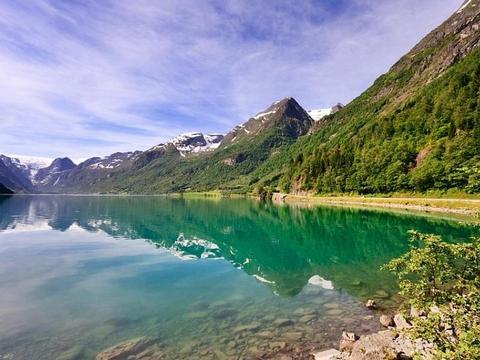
(282, 246)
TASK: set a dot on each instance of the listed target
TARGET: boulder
(326, 355)
(129, 349)
(386, 321)
(401, 323)
(371, 304)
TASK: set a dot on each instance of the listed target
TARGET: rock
(348, 339)
(75, 353)
(326, 355)
(349, 336)
(224, 313)
(400, 322)
(334, 312)
(386, 321)
(293, 336)
(307, 318)
(371, 304)
(304, 311)
(382, 294)
(416, 313)
(266, 334)
(253, 327)
(283, 322)
(127, 349)
(377, 346)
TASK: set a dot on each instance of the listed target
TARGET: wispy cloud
(83, 78)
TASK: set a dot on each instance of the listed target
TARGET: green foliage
(378, 144)
(264, 193)
(442, 281)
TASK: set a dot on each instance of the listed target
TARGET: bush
(442, 281)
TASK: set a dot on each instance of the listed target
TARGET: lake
(202, 278)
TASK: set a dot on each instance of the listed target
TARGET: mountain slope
(229, 166)
(416, 128)
(15, 175)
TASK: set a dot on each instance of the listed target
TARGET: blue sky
(84, 78)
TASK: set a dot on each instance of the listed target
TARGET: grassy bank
(462, 206)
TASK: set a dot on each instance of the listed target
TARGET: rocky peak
(61, 164)
(196, 142)
(286, 114)
(444, 46)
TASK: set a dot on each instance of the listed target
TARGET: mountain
(51, 174)
(417, 128)
(16, 175)
(196, 142)
(4, 190)
(319, 114)
(286, 117)
(166, 168)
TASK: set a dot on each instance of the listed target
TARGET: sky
(83, 78)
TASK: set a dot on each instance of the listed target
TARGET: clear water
(213, 279)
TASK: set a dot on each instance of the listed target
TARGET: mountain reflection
(281, 246)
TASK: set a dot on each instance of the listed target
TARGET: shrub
(442, 280)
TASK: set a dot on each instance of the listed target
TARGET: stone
(417, 313)
(400, 322)
(75, 353)
(371, 304)
(377, 346)
(386, 321)
(382, 294)
(349, 336)
(330, 354)
(127, 349)
(253, 327)
(224, 313)
(293, 336)
(283, 322)
(307, 318)
(334, 312)
(348, 339)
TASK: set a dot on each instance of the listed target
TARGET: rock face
(286, 116)
(140, 348)
(196, 142)
(4, 190)
(51, 173)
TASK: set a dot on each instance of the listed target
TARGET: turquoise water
(206, 279)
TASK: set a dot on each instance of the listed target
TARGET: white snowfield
(319, 114)
(30, 163)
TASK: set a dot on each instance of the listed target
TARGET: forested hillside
(416, 128)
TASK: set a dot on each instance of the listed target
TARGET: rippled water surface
(213, 279)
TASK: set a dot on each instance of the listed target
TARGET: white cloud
(92, 78)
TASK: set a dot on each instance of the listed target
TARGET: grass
(421, 202)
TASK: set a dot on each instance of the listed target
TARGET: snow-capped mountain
(52, 172)
(194, 142)
(29, 166)
(319, 114)
(286, 114)
(110, 162)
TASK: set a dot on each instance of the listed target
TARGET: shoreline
(462, 208)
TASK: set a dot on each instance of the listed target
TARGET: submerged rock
(133, 349)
